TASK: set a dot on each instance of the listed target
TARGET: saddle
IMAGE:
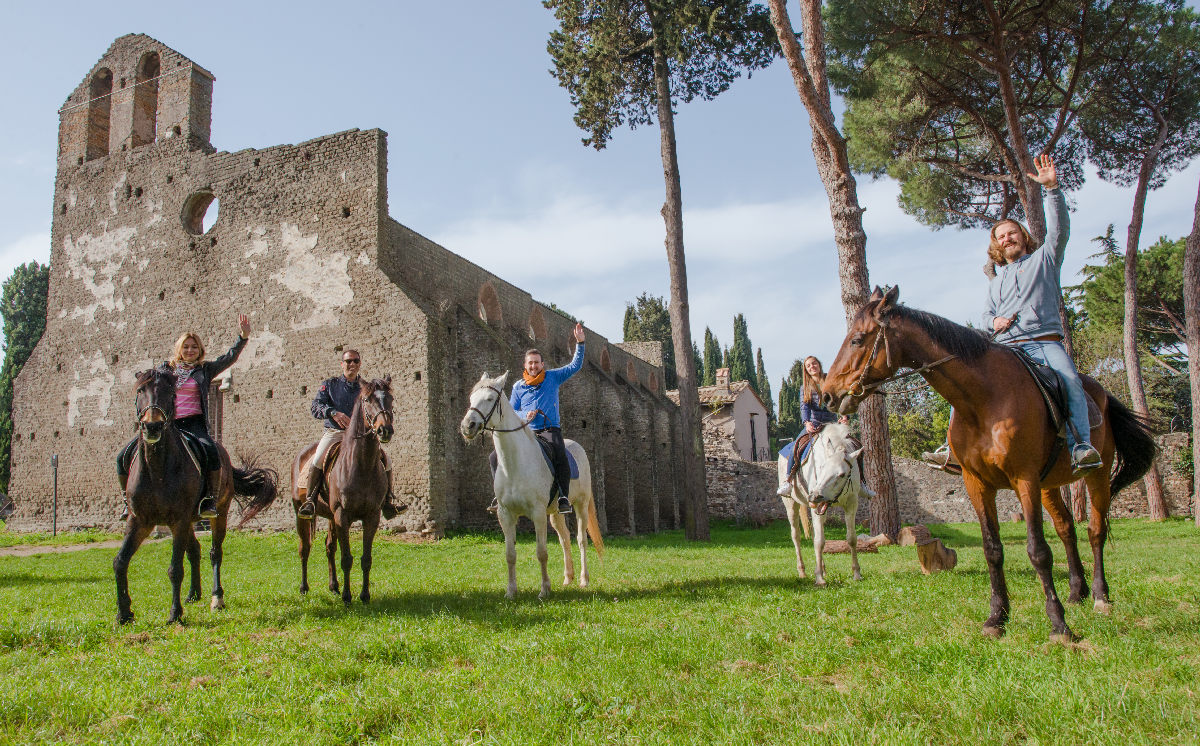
(331, 457)
(1054, 396)
(203, 452)
(548, 454)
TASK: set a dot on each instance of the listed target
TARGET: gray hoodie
(1031, 287)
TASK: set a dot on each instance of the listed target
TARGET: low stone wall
(742, 491)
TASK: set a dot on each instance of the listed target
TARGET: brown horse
(355, 487)
(1002, 435)
(164, 488)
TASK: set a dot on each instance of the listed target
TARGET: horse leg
(508, 524)
(193, 556)
(370, 526)
(1064, 525)
(304, 528)
(850, 508)
(135, 534)
(793, 508)
(216, 554)
(818, 524)
(539, 530)
(179, 542)
(1040, 557)
(559, 522)
(330, 553)
(1100, 492)
(343, 540)
(583, 514)
(983, 498)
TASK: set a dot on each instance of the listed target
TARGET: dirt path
(26, 550)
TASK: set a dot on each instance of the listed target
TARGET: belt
(1043, 338)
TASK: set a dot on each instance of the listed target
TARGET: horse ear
(387, 381)
(854, 456)
(887, 303)
(502, 380)
(877, 294)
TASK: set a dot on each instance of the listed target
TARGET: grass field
(674, 643)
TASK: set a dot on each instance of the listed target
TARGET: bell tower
(139, 93)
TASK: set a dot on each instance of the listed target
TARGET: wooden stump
(931, 553)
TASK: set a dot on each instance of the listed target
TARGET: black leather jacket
(210, 369)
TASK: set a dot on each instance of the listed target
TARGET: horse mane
(956, 339)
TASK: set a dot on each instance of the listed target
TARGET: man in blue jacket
(334, 403)
(535, 398)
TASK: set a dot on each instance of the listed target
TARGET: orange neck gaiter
(534, 380)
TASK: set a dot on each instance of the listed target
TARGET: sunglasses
(351, 360)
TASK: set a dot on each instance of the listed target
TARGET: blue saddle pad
(546, 454)
(789, 452)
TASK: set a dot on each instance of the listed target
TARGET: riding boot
(124, 479)
(208, 504)
(389, 508)
(308, 510)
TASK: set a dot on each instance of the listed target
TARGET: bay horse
(522, 484)
(355, 487)
(1001, 433)
(832, 473)
(164, 488)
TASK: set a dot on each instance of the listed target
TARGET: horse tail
(593, 528)
(260, 484)
(1136, 449)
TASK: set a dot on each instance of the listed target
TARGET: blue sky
(485, 159)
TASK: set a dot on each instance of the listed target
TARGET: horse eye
(856, 341)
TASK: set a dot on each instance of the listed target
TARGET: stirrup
(942, 460)
(207, 507)
(126, 512)
(390, 509)
(1084, 460)
(564, 506)
(785, 489)
(308, 511)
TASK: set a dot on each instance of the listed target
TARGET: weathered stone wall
(304, 246)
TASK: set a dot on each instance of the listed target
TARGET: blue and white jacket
(544, 396)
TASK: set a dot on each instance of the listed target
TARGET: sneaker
(564, 505)
(308, 511)
(207, 507)
(1085, 459)
(784, 490)
(495, 505)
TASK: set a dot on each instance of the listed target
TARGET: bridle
(167, 417)
(861, 384)
(488, 417)
(368, 422)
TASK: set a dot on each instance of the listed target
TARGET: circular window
(200, 212)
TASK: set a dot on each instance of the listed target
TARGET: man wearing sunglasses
(334, 403)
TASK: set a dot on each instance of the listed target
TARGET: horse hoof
(192, 598)
(1064, 638)
(819, 582)
(858, 576)
(543, 595)
(583, 582)
(303, 589)
(1103, 607)
(992, 631)
(347, 600)
(510, 595)
(365, 598)
(217, 603)
(125, 618)
(335, 588)
(175, 619)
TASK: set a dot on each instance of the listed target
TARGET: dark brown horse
(164, 488)
(1002, 435)
(355, 487)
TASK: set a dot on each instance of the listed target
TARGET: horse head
(484, 401)
(835, 465)
(858, 363)
(154, 400)
(376, 398)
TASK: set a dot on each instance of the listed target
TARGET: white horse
(831, 472)
(522, 484)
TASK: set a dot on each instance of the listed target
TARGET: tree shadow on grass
(30, 579)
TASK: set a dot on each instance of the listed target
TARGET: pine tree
(648, 319)
(741, 354)
(712, 358)
(764, 387)
(23, 306)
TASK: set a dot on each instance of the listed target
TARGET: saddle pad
(203, 452)
(549, 456)
(1051, 382)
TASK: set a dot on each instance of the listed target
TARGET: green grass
(86, 536)
(673, 643)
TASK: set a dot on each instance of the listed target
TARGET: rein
(864, 389)
(487, 417)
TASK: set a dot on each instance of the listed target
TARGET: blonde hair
(995, 252)
(177, 354)
(812, 384)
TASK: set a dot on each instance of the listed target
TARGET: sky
(485, 159)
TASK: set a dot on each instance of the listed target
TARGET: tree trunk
(1133, 363)
(1191, 316)
(833, 165)
(695, 489)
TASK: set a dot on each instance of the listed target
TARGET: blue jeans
(1054, 355)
